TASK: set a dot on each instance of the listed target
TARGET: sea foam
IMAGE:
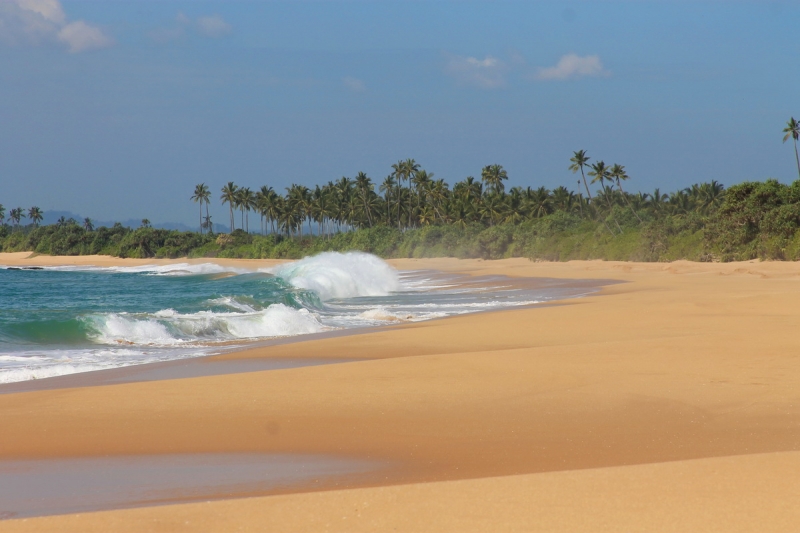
(334, 275)
(169, 328)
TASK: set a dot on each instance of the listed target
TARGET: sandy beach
(667, 402)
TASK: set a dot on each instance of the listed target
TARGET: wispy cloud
(573, 66)
(39, 22)
(211, 26)
(354, 84)
(486, 73)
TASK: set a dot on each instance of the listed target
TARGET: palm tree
(492, 208)
(2, 214)
(229, 197)
(617, 174)
(539, 201)
(16, 215)
(579, 160)
(657, 201)
(600, 173)
(145, 223)
(248, 203)
(365, 187)
(386, 188)
(563, 199)
(241, 202)
(403, 170)
(493, 176)
(422, 181)
(201, 195)
(87, 224)
(35, 214)
(792, 130)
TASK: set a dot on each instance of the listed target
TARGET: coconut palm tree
(365, 188)
(599, 173)
(422, 181)
(35, 215)
(563, 199)
(402, 171)
(248, 204)
(617, 174)
(579, 160)
(87, 224)
(386, 188)
(16, 215)
(242, 202)
(539, 201)
(792, 130)
(2, 214)
(201, 195)
(492, 176)
(229, 197)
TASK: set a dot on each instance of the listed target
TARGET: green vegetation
(701, 223)
(427, 218)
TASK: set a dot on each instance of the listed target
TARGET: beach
(667, 401)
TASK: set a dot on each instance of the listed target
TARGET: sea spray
(334, 275)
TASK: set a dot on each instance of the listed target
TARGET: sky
(116, 109)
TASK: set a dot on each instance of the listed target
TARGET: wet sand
(670, 402)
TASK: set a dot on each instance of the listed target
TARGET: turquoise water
(62, 320)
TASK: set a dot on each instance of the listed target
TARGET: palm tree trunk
(585, 184)
(797, 157)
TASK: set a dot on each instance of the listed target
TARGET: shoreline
(687, 362)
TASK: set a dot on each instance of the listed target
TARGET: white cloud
(37, 22)
(354, 84)
(80, 36)
(488, 73)
(213, 26)
(572, 66)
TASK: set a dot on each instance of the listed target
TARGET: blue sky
(116, 109)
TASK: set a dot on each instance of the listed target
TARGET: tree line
(411, 197)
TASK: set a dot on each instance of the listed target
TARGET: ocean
(63, 320)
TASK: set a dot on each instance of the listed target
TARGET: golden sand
(670, 402)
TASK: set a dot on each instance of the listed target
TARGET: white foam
(333, 275)
(383, 315)
(170, 328)
(13, 375)
(120, 328)
(174, 269)
(277, 320)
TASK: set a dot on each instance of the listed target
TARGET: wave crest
(170, 328)
(333, 275)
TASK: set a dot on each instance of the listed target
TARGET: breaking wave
(334, 275)
(170, 328)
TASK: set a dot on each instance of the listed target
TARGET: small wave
(174, 269)
(333, 275)
(383, 315)
(28, 373)
(170, 328)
